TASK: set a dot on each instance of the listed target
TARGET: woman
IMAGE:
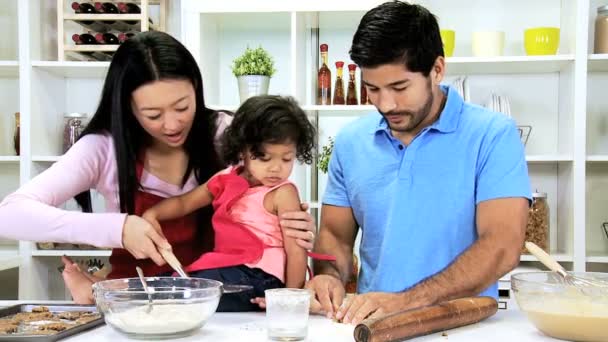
(151, 137)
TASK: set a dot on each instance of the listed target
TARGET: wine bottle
(122, 37)
(106, 7)
(351, 95)
(89, 39)
(364, 97)
(129, 8)
(87, 8)
(110, 8)
(107, 38)
(84, 39)
(324, 79)
(339, 88)
(83, 8)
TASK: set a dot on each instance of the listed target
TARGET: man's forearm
(341, 268)
(475, 270)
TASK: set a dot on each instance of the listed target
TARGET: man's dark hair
(397, 32)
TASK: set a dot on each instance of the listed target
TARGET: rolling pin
(426, 320)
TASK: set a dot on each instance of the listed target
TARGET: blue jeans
(240, 275)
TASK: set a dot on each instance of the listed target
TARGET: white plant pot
(252, 85)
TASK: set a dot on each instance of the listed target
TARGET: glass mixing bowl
(180, 306)
(561, 310)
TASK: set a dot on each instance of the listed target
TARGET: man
(439, 187)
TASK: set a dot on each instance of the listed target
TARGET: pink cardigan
(31, 212)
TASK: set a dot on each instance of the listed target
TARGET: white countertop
(507, 325)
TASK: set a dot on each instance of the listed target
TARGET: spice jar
(17, 134)
(73, 126)
(537, 230)
(601, 30)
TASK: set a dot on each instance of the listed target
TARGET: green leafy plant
(253, 62)
(325, 156)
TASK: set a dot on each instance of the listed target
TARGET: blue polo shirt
(416, 204)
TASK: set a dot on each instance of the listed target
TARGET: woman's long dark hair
(148, 57)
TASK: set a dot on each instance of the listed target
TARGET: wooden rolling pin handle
(417, 322)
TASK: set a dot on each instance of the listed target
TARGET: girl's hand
(300, 225)
(260, 301)
(150, 216)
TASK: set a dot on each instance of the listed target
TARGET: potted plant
(325, 156)
(253, 70)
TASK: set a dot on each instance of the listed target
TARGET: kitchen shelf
(73, 69)
(340, 108)
(508, 64)
(548, 158)
(597, 258)
(598, 62)
(49, 159)
(102, 17)
(9, 69)
(597, 158)
(88, 48)
(558, 257)
(70, 252)
(9, 159)
(8, 262)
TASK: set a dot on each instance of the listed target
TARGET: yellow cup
(448, 37)
(541, 41)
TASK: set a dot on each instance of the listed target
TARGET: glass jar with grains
(537, 230)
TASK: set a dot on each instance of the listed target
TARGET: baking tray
(54, 308)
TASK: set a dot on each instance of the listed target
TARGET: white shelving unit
(562, 97)
(9, 104)
(71, 253)
(549, 93)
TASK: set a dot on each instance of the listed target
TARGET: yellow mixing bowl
(448, 37)
(541, 41)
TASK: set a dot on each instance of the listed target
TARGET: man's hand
(328, 294)
(372, 304)
(300, 225)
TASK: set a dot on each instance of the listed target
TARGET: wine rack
(96, 23)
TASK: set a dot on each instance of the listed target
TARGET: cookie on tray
(40, 309)
(86, 318)
(59, 326)
(73, 315)
(8, 328)
(27, 317)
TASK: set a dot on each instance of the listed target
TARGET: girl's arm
(286, 199)
(31, 212)
(179, 206)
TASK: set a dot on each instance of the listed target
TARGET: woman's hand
(300, 225)
(142, 239)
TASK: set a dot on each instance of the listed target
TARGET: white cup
(488, 43)
(287, 314)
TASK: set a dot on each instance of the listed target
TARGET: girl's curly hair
(268, 119)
